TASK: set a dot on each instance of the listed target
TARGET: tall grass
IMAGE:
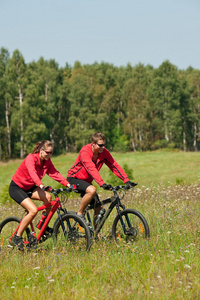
(165, 267)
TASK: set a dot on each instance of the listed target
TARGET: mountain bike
(68, 229)
(128, 226)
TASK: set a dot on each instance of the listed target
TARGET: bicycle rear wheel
(7, 230)
(136, 226)
(75, 234)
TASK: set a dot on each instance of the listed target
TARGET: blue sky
(113, 31)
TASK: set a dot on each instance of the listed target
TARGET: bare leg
(31, 208)
(87, 198)
(32, 212)
(41, 195)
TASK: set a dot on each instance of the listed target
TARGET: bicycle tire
(77, 234)
(7, 228)
(137, 229)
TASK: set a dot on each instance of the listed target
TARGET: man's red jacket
(87, 169)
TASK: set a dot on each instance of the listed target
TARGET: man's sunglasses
(101, 145)
(47, 152)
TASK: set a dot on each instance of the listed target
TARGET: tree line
(138, 108)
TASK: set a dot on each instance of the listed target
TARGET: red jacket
(87, 169)
(30, 172)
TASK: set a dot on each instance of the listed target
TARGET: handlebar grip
(47, 188)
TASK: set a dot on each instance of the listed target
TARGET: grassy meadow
(166, 266)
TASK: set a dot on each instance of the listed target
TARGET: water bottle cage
(100, 215)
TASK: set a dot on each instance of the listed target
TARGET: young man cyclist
(26, 184)
(86, 169)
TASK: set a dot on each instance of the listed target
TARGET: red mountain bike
(68, 229)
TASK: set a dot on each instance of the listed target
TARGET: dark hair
(44, 144)
(98, 136)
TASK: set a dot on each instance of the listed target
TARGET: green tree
(137, 122)
(190, 109)
(164, 97)
(16, 84)
(5, 147)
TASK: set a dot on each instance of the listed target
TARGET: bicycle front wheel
(132, 227)
(72, 232)
(7, 230)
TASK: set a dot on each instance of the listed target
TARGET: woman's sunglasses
(47, 152)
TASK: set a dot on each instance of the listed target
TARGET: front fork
(121, 219)
(61, 220)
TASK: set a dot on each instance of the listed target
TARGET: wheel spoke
(77, 234)
(132, 228)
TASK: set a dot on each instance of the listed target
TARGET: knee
(48, 197)
(91, 190)
(33, 211)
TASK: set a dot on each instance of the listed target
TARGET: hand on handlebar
(72, 187)
(130, 184)
(47, 188)
(106, 186)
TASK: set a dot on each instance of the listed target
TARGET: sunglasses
(47, 152)
(101, 145)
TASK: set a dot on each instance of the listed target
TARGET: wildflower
(187, 266)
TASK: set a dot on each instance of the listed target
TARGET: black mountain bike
(129, 225)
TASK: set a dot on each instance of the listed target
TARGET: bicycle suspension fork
(61, 220)
(118, 205)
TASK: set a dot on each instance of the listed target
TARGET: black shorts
(18, 194)
(82, 186)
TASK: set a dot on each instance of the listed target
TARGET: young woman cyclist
(26, 184)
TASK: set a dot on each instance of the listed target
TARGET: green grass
(149, 168)
(164, 267)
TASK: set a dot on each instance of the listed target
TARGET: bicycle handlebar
(70, 189)
(73, 188)
(124, 187)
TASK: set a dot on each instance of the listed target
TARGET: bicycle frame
(56, 206)
(115, 201)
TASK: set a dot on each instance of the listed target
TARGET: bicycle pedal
(45, 237)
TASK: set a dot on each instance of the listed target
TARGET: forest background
(138, 108)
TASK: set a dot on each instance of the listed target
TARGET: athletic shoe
(33, 242)
(84, 219)
(18, 241)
